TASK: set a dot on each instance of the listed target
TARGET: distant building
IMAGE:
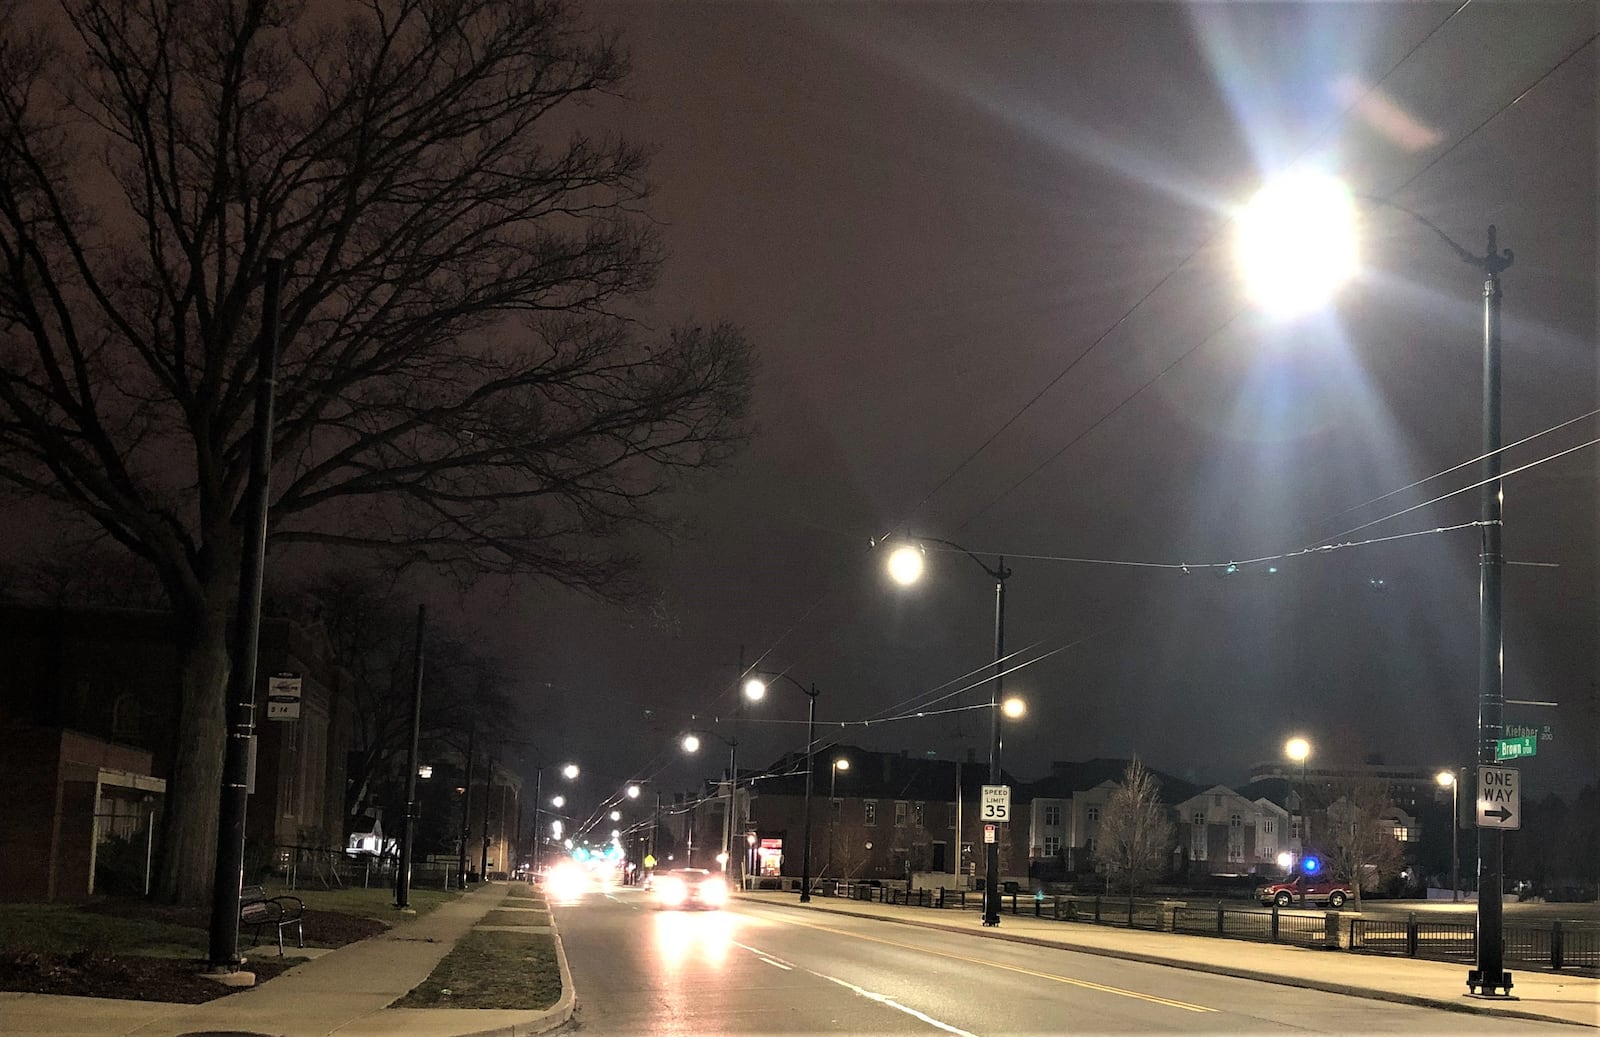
(1065, 809)
(1221, 832)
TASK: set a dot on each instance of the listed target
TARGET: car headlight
(714, 892)
(672, 891)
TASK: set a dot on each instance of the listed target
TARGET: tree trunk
(194, 788)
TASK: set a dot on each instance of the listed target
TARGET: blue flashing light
(580, 854)
(1310, 865)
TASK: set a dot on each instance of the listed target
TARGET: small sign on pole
(1516, 748)
(1499, 798)
(996, 803)
(283, 696)
(988, 833)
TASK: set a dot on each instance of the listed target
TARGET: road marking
(1054, 978)
(884, 999)
(779, 964)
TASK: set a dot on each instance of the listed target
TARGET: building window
(1235, 821)
(869, 813)
(917, 814)
(1199, 818)
(1052, 815)
(1269, 826)
(1400, 833)
(902, 813)
(1294, 828)
(1052, 846)
(950, 816)
(1090, 845)
(1094, 815)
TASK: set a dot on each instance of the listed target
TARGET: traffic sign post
(1499, 798)
(996, 803)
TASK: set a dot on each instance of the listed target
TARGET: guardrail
(1561, 945)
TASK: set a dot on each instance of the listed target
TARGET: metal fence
(1559, 945)
(312, 867)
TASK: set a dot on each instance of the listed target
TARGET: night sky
(923, 214)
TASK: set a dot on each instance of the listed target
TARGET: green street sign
(1516, 748)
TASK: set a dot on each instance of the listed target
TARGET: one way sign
(1499, 799)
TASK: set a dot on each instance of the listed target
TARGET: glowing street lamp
(633, 791)
(558, 801)
(570, 772)
(1296, 244)
(905, 568)
(616, 815)
(1453, 781)
(1299, 750)
(755, 689)
(691, 743)
(1014, 708)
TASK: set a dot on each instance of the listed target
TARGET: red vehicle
(1319, 889)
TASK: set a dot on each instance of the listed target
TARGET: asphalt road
(754, 969)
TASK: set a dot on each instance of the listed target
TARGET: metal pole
(833, 808)
(956, 868)
(1490, 975)
(408, 838)
(466, 809)
(991, 891)
(228, 878)
(538, 832)
(1305, 832)
(488, 783)
(727, 817)
(1455, 832)
(811, 747)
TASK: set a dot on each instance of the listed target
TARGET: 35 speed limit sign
(996, 803)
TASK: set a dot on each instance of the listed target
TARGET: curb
(1366, 993)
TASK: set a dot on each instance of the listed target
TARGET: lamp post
(905, 568)
(1299, 749)
(1453, 780)
(691, 744)
(1297, 240)
(811, 743)
(841, 763)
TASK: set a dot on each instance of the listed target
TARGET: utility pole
(408, 840)
(228, 878)
(466, 809)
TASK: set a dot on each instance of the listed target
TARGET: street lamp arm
(1493, 261)
(995, 572)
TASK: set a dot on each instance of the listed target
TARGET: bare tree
(1359, 842)
(457, 384)
(850, 849)
(1135, 836)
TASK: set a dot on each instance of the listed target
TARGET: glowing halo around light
(1295, 242)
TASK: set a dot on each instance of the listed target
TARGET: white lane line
(779, 964)
(884, 999)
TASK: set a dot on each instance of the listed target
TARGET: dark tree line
(458, 386)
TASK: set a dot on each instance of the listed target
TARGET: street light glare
(1297, 749)
(570, 771)
(1295, 242)
(558, 801)
(691, 743)
(633, 792)
(841, 764)
(1014, 708)
(905, 565)
(1445, 778)
(616, 815)
(755, 689)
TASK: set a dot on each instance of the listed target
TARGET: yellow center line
(1052, 977)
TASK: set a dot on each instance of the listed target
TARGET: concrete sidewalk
(1547, 996)
(346, 991)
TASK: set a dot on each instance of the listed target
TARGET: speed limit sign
(996, 803)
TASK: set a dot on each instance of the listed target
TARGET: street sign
(283, 696)
(1516, 748)
(988, 833)
(996, 803)
(1499, 798)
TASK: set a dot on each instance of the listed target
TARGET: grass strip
(493, 970)
(372, 902)
(63, 929)
(516, 918)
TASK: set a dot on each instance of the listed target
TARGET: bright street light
(691, 743)
(1295, 242)
(425, 771)
(755, 689)
(905, 565)
(616, 815)
(1014, 708)
(1445, 779)
(1297, 749)
(633, 791)
(558, 801)
(841, 764)
(555, 829)
(570, 771)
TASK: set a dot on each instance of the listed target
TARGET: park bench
(259, 910)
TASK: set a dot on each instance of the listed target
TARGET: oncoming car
(689, 887)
